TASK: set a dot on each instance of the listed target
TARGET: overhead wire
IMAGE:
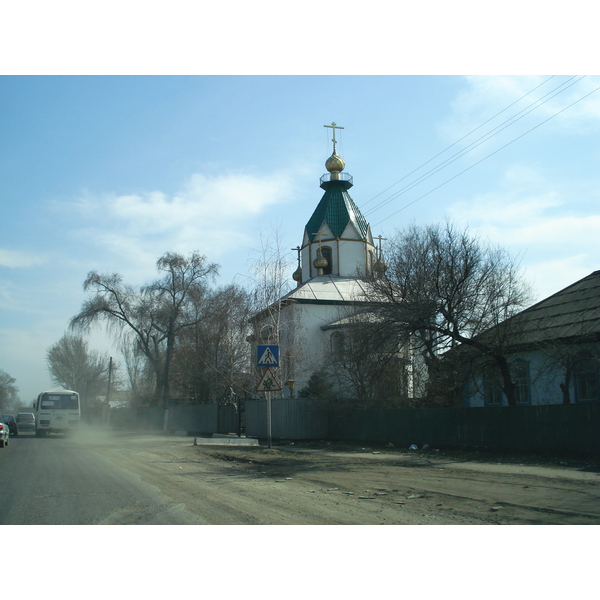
(489, 155)
(461, 139)
(533, 106)
(479, 141)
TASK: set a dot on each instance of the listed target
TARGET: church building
(337, 251)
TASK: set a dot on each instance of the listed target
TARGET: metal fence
(291, 419)
(137, 418)
(194, 418)
(199, 419)
(548, 428)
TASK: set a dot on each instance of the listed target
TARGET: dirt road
(327, 484)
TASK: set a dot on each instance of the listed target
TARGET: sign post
(268, 356)
(269, 438)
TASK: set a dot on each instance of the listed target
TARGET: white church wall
(350, 253)
(348, 258)
(308, 345)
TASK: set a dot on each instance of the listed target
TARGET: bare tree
(152, 316)
(9, 393)
(366, 365)
(74, 367)
(446, 288)
(214, 353)
(271, 275)
(140, 375)
(177, 294)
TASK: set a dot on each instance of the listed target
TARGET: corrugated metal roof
(353, 320)
(573, 312)
(329, 288)
(337, 209)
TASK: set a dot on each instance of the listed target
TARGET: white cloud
(202, 199)
(551, 276)
(495, 210)
(15, 259)
(11, 298)
(235, 196)
(562, 230)
(536, 219)
(210, 214)
(527, 216)
(523, 196)
(487, 98)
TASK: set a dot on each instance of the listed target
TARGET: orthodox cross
(320, 233)
(333, 126)
(298, 249)
(380, 239)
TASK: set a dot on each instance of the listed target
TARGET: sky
(125, 138)
(129, 129)
(108, 173)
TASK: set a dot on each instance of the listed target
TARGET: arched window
(327, 255)
(586, 380)
(338, 343)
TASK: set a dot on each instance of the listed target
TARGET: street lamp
(290, 383)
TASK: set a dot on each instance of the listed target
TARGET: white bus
(56, 411)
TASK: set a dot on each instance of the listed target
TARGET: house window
(327, 255)
(586, 381)
(492, 390)
(338, 343)
(520, 376)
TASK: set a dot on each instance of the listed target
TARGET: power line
(504, 125)
(489, 155)
(555, 92)
(462, 138)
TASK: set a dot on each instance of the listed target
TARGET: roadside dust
(318, 484)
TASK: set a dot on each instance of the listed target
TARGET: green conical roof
(337, 209)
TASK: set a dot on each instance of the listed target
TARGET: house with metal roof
(337, 251)
(554, 347)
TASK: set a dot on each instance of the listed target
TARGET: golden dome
(297, 275)
(335, 163)
(320, 262)
(380, 267)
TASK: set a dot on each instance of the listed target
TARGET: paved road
(61, 481)
(119, 478)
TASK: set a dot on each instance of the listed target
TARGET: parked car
(4, 433)
(12, 424)
(26, 421)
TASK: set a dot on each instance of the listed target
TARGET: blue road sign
(268, 356)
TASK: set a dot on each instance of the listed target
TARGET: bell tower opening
(327, 255)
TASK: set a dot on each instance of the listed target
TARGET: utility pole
(107, 405)
(109, 380)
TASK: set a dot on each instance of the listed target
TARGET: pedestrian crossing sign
(268, 382)
(268, 356)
